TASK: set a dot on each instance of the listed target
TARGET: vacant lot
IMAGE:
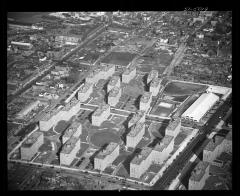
(119, 58)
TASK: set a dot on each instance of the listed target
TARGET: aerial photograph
(120, 100)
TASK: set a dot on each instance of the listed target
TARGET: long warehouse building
(200, 107)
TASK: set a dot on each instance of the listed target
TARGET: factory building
(140, 164)
(114, 81)
(139, 116)
(85, 91)
(75, 130)
(129, 74)
(155, 85)
(69, 151)
(101, 114)
(53, 115)
(173, 127)
(135, 135)
(28, 108)
(213, 149)
(227, 142)
(114, 96)
(162, 150)
(106, 156)
(199, 176)
(200, 107)
(145, 101)
(152, 75)
(31, 145)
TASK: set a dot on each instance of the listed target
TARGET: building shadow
(155, 141)
(127, 161)
(91, 158)
(89, 117)
(137, 101)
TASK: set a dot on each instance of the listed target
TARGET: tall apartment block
(129, 74)
(69, 150)
(101, 114)
(75, 130)
(135, 135)
(155, 85)
(106, 156)
(145, 101)
(114, 81)
(153, 74)
(30, 146)
(139, 116)
(85, 91)
(114, 96)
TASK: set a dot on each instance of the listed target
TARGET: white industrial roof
(199, 108)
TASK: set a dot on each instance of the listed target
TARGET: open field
(119, 58)
(181, 88)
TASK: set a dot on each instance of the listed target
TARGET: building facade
(135, 135)
(155, 85)
(173, 128)
(106, 156)
(163, 149)
(101, 114)
(114, 96)
(140, 164)
(199, 176)
(30, 147)
(129, 74)
(69, 151)
(145, 101)
(74, 130)
(85, 91)
(114, 81)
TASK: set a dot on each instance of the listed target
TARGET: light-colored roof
(29, 107)
(136, 129)
(146, 151)
(69, 145)
(163, 143)
(198, 109)
(72, 129)
(84, 88)
(70, 104)
(31, 139)
(114, 80)
(107, 67)
(107, 151)
(199, 171)
(114, 92)
(145, 97)
(101, 109)
(212, 145)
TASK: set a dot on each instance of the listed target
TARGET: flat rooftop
(107, 67)
(146, 151)
(114, 92)
(114, 80)
(69, 145)
(101, 109)
(72, 129)
(212, 145)
(70, 104)
(136, 129)
(107, 151)
(137, 116)
(47, 115)
(145, 97)
(84, 88)
(199, 171)
(173, 124)
(163, 143)
(155, 82)
(31, 139)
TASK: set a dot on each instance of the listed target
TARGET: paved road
(184, 157)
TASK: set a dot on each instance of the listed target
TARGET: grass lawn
(104, 137)
(181, 88)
